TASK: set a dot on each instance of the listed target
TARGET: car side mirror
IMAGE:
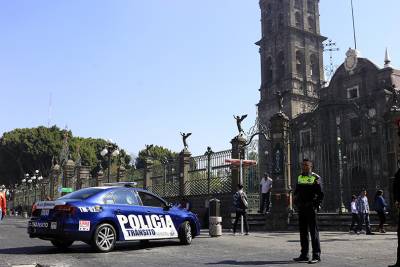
(167, 206)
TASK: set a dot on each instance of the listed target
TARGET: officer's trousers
(308, 223)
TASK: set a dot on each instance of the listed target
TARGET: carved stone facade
(352, 135)
(347, 127)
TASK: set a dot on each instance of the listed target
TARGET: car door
(125, 204)
(156, 214)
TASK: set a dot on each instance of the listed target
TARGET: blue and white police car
(101, 216)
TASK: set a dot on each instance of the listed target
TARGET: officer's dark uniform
(308, 196)
(396, 197)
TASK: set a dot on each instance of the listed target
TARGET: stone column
(99, 177)
(84, 176)
(238, 144)
(68, 173)
(184, 167)
(120, 173)
(55, 181)
(148, 172)
(281, 198)
(392, 119)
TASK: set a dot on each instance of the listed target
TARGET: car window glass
(125, 197)
(109, 199)
(150, 200)
(82, 194)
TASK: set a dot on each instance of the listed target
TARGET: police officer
(307, 198)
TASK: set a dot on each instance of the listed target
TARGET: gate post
(238, 143)
(280, 155)
(392, 119)
(148, 172)
(184, 167)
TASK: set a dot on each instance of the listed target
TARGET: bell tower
(291, 56)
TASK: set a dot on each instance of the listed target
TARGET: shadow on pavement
(82, 248)
(233, 262)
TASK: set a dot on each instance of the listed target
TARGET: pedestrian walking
(380, 208)
(307, 198)
(240, 203)
(265, 188)
(363, 212)
(3, 204)
(355, 220)
(396, 198)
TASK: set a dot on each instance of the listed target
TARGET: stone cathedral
(346, 126)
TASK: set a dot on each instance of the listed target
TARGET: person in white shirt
(265, 188)
(355, 220)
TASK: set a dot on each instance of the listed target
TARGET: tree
(157, 153)
(28, 149)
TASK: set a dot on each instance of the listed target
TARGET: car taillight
(65, 209)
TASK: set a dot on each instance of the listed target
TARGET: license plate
(44, 212)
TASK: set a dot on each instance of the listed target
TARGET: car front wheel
(104, 238)
(185, 233)
(61, 244)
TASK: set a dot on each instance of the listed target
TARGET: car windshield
(82, 194)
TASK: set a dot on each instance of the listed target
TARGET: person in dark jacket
(396, 198)
(240, 204)
(307, 198)
(380, 208)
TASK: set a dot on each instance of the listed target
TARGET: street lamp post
(208, 153)
(111, 150)
(342, 208)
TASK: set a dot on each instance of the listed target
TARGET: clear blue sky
(141, 71)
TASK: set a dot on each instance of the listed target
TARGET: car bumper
(50, 230)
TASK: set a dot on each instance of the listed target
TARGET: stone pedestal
(238, 143)
(281, 197)
(184, 167)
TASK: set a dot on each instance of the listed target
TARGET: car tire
(144, 243)
(104, 238)
(61, 244)
(185, 233)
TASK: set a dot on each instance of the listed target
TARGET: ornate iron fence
(209, 174)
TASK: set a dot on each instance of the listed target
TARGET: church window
(353, 92)
(355, 127)
(297, 18)
(314, 66)
(311, 24)
(269, 73)
(280, 61)
(299, 63)
(310, 6)
(305, 138)
(297, 4)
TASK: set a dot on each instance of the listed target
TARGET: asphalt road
(257, 249)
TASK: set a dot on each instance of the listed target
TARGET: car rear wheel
(61, 244)
(185, 233)
(104, 238)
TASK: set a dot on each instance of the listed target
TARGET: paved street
(258, 249)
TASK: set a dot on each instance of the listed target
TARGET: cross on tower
(330, 47)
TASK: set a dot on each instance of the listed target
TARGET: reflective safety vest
(306, 179)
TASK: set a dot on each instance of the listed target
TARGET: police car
(101, 216)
